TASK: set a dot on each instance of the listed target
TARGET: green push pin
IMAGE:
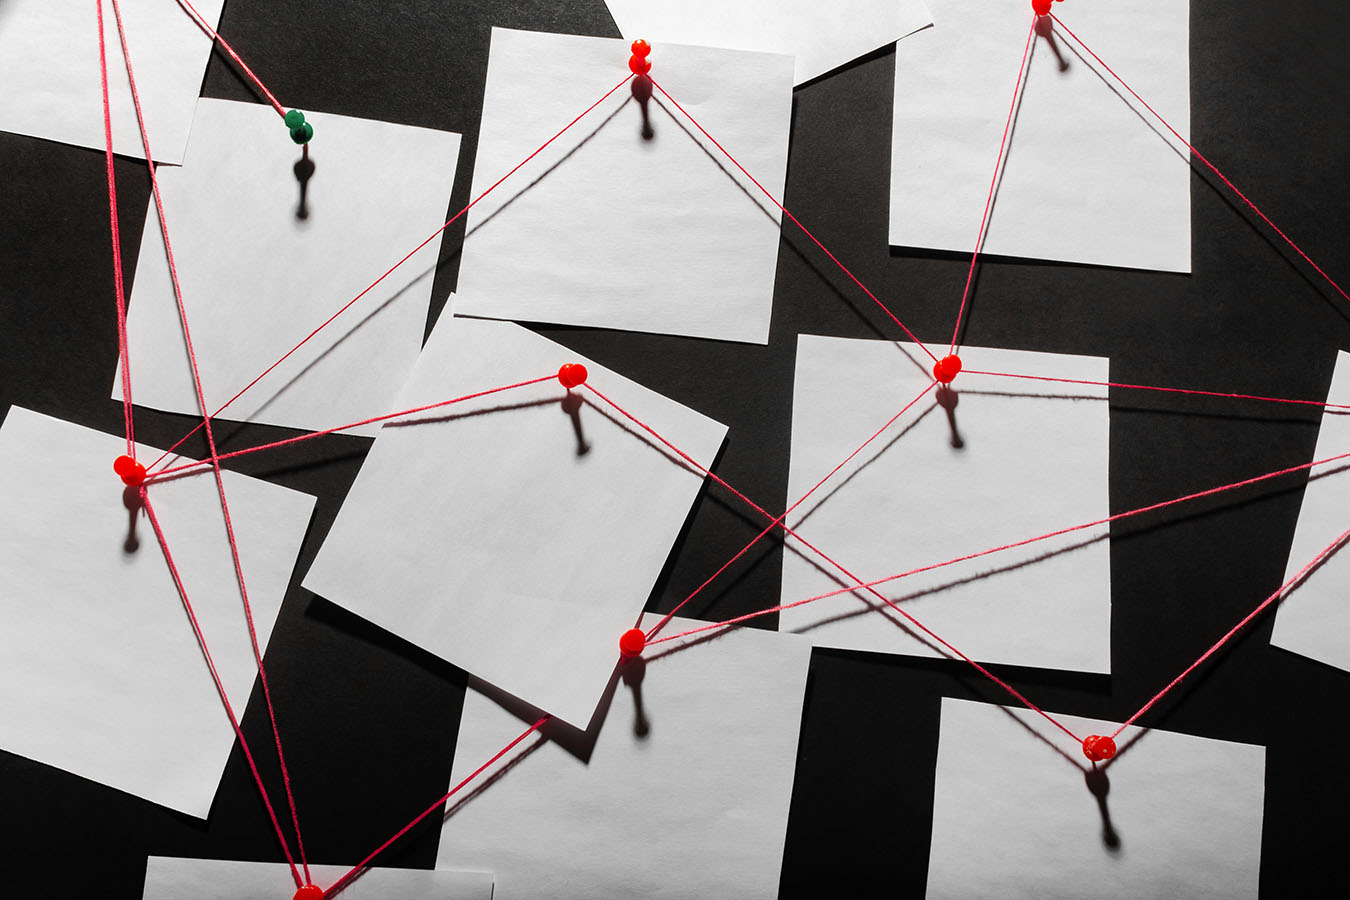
(301, 131)
(294, 119)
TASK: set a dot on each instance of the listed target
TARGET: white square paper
(1171, 816)
(257, 279)
(506, 534)
(49, 67)
(174, 878)
(100, 672)
(1314, 619)
(684, 794)
(1032, 460)
(821, 36)
(608, 228)
(1090, 176)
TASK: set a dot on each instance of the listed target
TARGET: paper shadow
(304, 171)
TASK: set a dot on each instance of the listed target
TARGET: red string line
(391, 269)
(118, 283)
(313, 434)
(356, 870)
(1200, 156)
(794, 219)
(206, 27)
(858, 582)
(1022, 543)
(1283, 589)
(770, 527)
(993, 182)
(1165, 390)
(215, 675)
(201, 400)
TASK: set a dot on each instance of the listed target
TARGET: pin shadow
(1098, 785)
(571, 405)
(131, 499)
(947, 399)
(632, 671)
(304, 171)
(1045, 28)
(642, 92)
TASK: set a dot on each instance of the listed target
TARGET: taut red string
(391, 269)
(993, 183)
(211, 32)
(1200, 156)
(201, 399)
(845, 269)
(1165, 390)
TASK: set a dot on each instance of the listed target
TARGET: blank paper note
(677, 790)
(632, 219)
(262, 265)
(1314, 617)
(993, 461)
(1019, 812)
(49, 67)
(1090, 176)
(174, 878)
(100, 672)
(516, 535)
(819, 36)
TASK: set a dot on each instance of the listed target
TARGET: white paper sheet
(820, 36)
(1314, 619)
(610, 229)
(256, 279)
(495, 534)
(1013, 818)
(49, 67)
(100, 672)
(1033, 460)
(1087, 178)
(683, 795)
(174, 878)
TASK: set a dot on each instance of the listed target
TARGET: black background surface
(369, 722)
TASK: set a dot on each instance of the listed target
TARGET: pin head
(639, 65)
(572, 375)
(631, 643)
(947, 368)
(641, 48)
(302, 133)
(309, 892)
(1098, 747)
(294, 119)
(130, 471)
(1042, 7)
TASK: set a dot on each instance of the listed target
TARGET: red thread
(391, 269)
(993, 183)
(770, 527)
(1166, 390)
(313, 434)
(116, 240)
(206, 27)
(1022, 543)
(210, 437)
(341, 882)
(858, 581)
(215, 676)
(794, 219)
(1200, 156)
(1325, 552)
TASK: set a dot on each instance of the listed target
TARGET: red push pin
(309, 892)
(572, 375)
(1041, 7)
(1098, 747)
(638, 63)
(631, 643)
(947, 368)
(131, 472)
